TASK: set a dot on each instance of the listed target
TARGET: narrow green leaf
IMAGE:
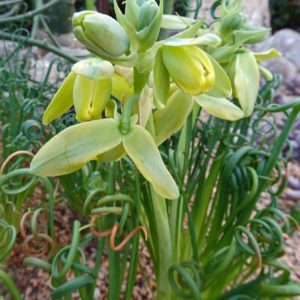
(285, 290)
(75, 146)
(142, 149)
(171, 118)
(220, 107)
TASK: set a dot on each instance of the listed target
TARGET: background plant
(193, 241)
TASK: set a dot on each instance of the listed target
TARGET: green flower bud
(251, 35)
(141, 21)
(88, 87)
(100, 33)
(146, 14)
(230, 23)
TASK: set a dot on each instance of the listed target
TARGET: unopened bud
(100, 33)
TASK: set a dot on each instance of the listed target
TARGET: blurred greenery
(285, 14)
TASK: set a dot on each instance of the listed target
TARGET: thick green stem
(164, 251)
(126, 113)
(168, 6)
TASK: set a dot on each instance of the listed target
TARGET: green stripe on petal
(142, 149)
(62, 101)
(171, 118)
(75, 146)
(220, 107)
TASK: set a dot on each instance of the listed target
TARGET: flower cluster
(135, 92)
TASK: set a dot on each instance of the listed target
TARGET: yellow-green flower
(88, 87)
(188, 66)
(75, 146)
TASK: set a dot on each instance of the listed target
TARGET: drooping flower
(188, 66)
(88, 87)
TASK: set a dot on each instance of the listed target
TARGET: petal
(75, 146)
(161, 79)
(113, 154)
(176, 22)
(94, 68)
(105, 32)
(223, 87)
(62, 101)
(266, 73)
(220, 107)
(171, 118)
(120, 87)
(246, 81)
(142, 149)
(186, 70)
(101, 97)
(80, 35)
(251, 35)
(145, 105)
(83, 95)
(271, 53)
(111, 109)
(208, 39)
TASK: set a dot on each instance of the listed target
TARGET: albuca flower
(88, 87)
(188, 66)
(75, 146)
(100, 33)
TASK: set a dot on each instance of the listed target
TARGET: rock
(258, 12)
(282, 66)
(287, 41)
